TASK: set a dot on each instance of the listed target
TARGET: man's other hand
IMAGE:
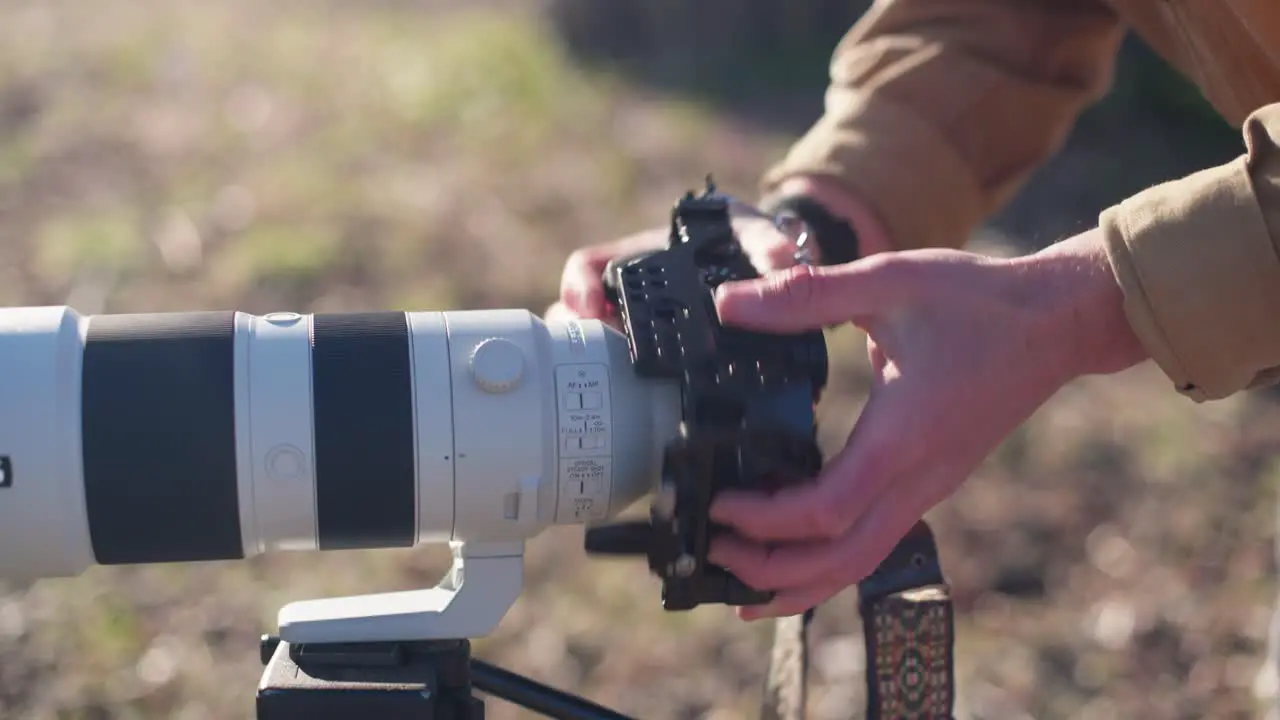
(582, 285)
(582, 282)
(963, 349)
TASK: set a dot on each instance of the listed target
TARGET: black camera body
(748, 399)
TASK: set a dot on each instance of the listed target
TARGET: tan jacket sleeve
(1197, 259)
(938, 110)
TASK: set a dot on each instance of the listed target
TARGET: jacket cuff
(890, 159)
(1201, 279)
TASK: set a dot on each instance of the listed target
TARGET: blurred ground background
(1112, 560)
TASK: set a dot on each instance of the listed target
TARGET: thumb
(804, 297)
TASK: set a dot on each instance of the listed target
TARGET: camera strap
(908, 634)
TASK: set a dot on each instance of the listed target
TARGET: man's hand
(963, 347)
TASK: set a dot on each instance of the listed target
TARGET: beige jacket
(939, 110)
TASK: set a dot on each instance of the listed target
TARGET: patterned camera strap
(909, 632)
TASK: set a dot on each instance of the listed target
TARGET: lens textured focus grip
(362, 387)
(159, 441)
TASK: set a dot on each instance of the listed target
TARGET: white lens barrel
(179, 437)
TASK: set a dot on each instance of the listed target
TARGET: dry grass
(1113, 560)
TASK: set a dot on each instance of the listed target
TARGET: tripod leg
(535, 696)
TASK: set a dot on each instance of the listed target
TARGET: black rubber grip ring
(159, 441)
(362, 386)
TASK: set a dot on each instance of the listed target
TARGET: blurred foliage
(1143, 79)
(723, 51)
